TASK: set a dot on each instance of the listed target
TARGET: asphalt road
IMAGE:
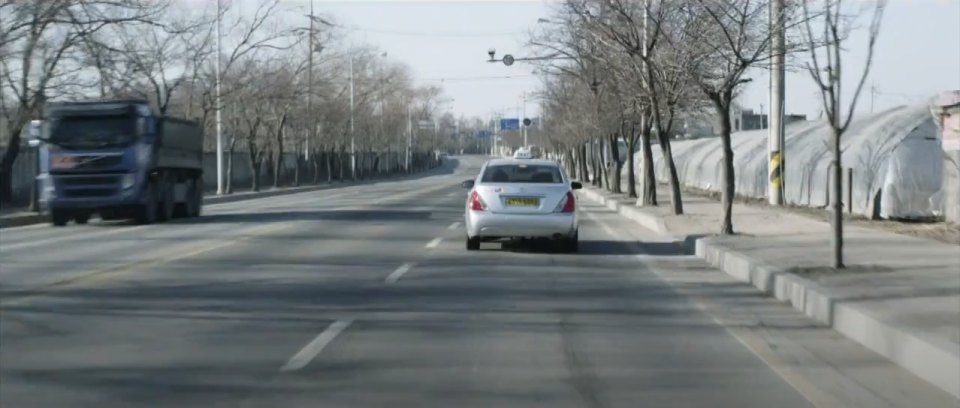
(365, 296)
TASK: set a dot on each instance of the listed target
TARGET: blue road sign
(483, 134)
(509, 124)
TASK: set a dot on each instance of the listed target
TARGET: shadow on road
(333, 215)
(602, 247)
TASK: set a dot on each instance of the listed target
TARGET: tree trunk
(255, 174)
(228, 189)
(631, 153)
(328, 158)
(6, 165)
(278, 168)
(582, 161)
(667, 151)
(837, 194)
(615, 165)
(722, 105)
(296, 170)
(341, 164)
(602, 165)
(649, 193)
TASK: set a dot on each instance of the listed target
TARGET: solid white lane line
(314, 347)
(434, 243)
(454, 225)
(394, 276)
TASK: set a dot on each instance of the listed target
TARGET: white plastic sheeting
(895, 153)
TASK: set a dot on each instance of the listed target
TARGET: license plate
(523, 202)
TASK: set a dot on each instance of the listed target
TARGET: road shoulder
(899, 298)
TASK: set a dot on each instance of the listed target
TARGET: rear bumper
(493, 225)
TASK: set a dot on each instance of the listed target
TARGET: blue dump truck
(119, 160)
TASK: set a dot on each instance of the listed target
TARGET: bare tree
(652, 37)
(825, 69)
(726, 38)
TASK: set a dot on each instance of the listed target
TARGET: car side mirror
(34, 131)
(468, 184)
(576, 185)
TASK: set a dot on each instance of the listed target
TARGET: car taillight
(568, 205)
(476, 204)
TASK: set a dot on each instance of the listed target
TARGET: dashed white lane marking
(434, 243)
(454, 225)
(394, 276)
(314, 347)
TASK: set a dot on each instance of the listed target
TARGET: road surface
(364, 296)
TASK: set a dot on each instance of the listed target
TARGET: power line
(475, 78)
(426, 33)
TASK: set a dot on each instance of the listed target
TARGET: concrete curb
(936, 365)
(34, 218)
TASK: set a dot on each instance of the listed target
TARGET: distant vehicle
(522, 198)
(118, 159)
(522, 154)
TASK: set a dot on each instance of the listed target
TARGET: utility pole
(311, 120)
(524, 118)
(409, 134)
(218, 108)
(353, 143)
(873, 94)
(775, 140)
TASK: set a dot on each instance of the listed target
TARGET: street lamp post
(218, 109)
(353, 142)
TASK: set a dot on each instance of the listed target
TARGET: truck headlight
(143, 154)
(128, 180)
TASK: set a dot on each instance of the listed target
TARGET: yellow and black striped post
(776, 177)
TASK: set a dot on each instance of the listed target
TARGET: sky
(916, 55)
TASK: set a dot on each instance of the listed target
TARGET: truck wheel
(196, 198)
(58, 218)
(166, 201)
(81, 218)
(147, 213)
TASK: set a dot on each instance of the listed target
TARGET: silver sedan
(521, 198)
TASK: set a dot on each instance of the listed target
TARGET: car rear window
(522, 173)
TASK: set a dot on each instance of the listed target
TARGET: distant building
(704, 124)
(745, 119)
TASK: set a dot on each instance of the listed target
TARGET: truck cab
(117, 159)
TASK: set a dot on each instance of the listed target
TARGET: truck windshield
(92, 131)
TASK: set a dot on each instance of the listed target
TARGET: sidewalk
(899, 297)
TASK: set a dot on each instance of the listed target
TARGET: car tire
(572, 244)
(473, 244)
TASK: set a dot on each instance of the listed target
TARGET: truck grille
(89, 192)
(69, 181)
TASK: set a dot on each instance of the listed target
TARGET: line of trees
(642, 65)
(285, 80)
